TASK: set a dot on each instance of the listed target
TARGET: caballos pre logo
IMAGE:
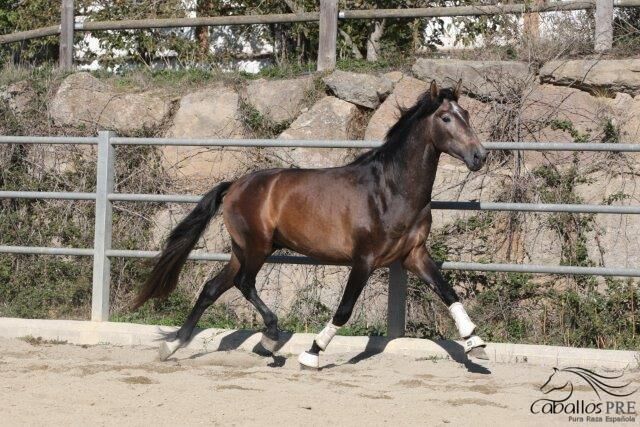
(612, 405)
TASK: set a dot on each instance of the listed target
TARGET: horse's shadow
(234, 341)
(375, 346)
(456, 353)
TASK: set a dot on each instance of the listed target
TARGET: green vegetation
(567, 126)
(520, 308)
(259, 125)
(388, 63)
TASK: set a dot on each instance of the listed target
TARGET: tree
(142, 46)
(23, 15)
(368, 38)
(360, 39)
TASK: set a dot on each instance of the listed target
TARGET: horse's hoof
(268, 343)
(167, 349)
(478, 353)
(309, 360)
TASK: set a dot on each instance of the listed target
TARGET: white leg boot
(473, 344)
(309, 360)
(322, 340)
(463, 322)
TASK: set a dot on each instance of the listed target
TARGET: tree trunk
(373, 42)
(203, 8)
(349, 42)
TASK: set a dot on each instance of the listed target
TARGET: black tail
(164, 277)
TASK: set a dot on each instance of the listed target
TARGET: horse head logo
(562, 379)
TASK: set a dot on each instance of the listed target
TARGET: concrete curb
(91, 333)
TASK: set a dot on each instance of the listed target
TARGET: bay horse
(366, 214)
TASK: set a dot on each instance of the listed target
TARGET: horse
(367, 214)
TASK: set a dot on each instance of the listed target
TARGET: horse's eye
(446, 119)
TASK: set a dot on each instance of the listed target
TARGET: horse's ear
(456, 91)
(433, 90)
(555, 369)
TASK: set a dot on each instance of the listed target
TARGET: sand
(61, 384)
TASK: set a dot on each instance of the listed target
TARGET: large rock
(619, 75)
(616, 238)
(484, 79)
(209, 113)
(279, 100)
(83, 100)
(454, 183)
(562, 114)
(361, 89)
(471, 236)
(406, 93)
(330, 118)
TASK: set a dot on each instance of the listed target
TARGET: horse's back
(312, 211)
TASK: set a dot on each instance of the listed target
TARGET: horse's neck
(419, 165)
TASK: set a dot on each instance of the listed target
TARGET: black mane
(399, 132)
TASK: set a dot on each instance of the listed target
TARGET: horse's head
(556, 381)
(451, 129)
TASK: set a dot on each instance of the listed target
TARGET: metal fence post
(604, 25)
(103, 225)
(66, 35)
(397, 302)
(328, 35)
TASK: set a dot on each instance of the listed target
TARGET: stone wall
(579, 101)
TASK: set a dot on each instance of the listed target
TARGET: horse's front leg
(421, 264)
(358, 277)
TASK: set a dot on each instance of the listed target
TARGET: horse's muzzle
(476, 158)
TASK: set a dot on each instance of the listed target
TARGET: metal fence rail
(104, 197)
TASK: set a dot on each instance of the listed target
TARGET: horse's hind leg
(211, 291)
(358, 277)
(252, 261)
(420, 263)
